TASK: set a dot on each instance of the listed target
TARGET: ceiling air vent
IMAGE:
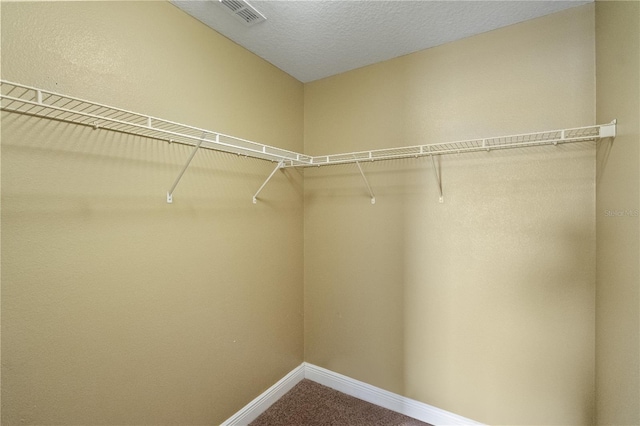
(243, 11)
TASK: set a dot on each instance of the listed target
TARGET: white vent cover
(243, 11)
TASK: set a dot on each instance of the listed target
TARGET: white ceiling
(313, 39)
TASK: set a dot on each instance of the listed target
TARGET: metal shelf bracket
(438, 180)
(279, 166)
(184, 168)
(366, 182)
(608, 130)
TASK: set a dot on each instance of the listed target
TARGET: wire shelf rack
(23, 99)
(554, 137)
(18, 98)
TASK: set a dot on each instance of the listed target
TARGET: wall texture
(617, 215)
(118, 308)
(483, 305)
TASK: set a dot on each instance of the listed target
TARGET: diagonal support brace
(373, 197)
(438, 180)
(184, 169)
(279, 166)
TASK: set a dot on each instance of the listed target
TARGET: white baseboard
(260, 404)
(394, 402)
(349, 386)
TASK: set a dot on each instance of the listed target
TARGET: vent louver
(243, 11)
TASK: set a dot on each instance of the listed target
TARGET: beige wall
(483, 305)
(118, 308)
(617, 222)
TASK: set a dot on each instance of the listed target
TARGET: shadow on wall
(481, 305)
(603, 151)
(500, 290)
(105, 159)
(114, 298)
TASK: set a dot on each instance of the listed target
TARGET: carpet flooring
(312, 404)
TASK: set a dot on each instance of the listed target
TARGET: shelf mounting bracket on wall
(438, 179)
(373, 197)
(184, 169)
(278, 167)
(608, 130)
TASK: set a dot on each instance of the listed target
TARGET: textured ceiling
(313, 39)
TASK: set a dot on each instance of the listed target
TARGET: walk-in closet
(207, 204)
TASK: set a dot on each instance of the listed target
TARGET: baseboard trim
(256, 407)
(400, 404)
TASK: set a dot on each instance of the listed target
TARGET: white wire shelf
(23, 99)
(18, 98)
(553, 137)
(46, 104)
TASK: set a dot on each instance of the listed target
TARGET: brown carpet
(310, 404)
